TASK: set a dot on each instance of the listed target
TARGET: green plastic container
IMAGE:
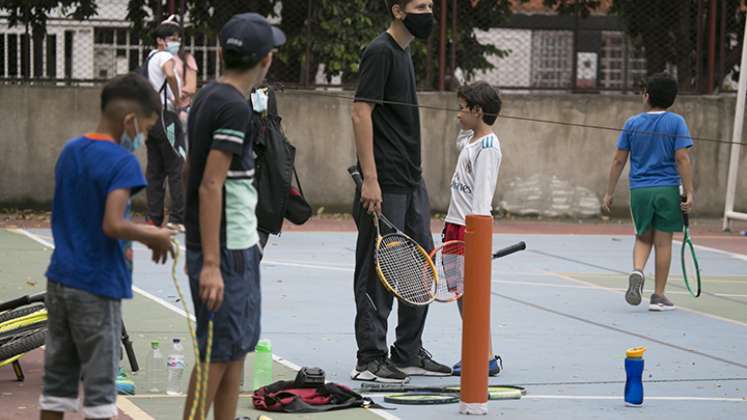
(262, 364)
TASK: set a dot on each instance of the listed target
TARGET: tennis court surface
(559, 320)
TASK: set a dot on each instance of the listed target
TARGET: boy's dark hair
(391, 3)
(165, 30)
(234, 61)
(132, 88)
(483, 95)
(661, 89)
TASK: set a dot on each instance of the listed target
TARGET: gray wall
(36, 121)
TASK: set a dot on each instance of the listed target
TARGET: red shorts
(453, 232)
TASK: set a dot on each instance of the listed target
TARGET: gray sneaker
(636, 280)
(660, 303)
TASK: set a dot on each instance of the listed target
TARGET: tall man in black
(387, 139)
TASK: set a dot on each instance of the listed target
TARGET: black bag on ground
(275, 172)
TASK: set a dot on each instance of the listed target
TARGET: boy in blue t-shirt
(657, 142)
(89, 272)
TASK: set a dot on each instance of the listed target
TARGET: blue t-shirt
(652, 138)
(84, 258)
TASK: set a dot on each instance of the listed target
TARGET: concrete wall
(36, 121)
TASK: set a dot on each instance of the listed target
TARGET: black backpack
(275, 172)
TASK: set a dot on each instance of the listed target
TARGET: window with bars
(119, 50)
(552, 59)
(617, 57)
(26, 56)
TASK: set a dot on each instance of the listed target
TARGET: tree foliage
(33, 13)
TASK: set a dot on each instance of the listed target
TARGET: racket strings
(449, 261)
(406, 268)
(690, 270)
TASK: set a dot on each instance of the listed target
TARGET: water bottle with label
(175, 365)
(634, 376)
(262, 364)
(155, 369)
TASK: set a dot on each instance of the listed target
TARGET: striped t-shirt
(219, 120)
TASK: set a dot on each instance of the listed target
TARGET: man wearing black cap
(222, 254)
(387, 137)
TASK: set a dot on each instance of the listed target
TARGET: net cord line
(503, 116)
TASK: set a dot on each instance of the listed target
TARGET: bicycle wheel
(17, 313)
(23, 342)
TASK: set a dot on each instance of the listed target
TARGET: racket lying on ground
(690, 267)
(402, 265)
(413, 394)
(449, 261)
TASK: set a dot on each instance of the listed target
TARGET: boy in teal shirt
(657, 142)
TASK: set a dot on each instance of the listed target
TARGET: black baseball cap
(250, 35)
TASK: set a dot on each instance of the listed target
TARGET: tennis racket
(402, 265)
(690, 267)
(495, 392)
(449, 261)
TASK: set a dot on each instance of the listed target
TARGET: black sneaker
(381, 370)
(636, 279)
(424, 365)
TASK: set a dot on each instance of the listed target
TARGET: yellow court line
(609, 289)
(132, 410)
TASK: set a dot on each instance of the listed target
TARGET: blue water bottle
(634, 379)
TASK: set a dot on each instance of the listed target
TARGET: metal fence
(598, 45)
(565, 45)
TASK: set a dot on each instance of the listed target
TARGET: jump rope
(199, 402)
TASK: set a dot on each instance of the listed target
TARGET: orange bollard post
(478, 240)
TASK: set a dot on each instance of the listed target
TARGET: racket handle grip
(510, 250)
(356, 174)
(685, 216)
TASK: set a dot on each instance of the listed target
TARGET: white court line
(716, 250)
(609, 397)
(132, 410)
(278, 359)
(617, 289)
(609, 289)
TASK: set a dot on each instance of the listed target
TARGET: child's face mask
(132, 143)
(173, 47)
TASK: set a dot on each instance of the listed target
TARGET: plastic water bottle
(175, 365)
(634, 376)
(155, 369)
(263, 364)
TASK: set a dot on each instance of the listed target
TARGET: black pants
(410, 212)
(165, 164)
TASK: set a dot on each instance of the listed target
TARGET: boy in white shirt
(476, 173)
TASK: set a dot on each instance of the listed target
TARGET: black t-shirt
(387, 74)
(220, 120)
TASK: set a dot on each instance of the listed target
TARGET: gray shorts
(236, 324)
(83, 342)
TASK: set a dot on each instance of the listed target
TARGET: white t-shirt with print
(157, 76)
(475, 177)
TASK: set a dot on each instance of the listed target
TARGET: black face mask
(420, 25)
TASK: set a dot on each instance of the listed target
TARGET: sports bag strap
(298, 182)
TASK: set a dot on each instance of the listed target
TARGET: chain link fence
(599, 45)
(523, 45)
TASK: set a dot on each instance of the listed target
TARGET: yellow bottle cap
(635, 352)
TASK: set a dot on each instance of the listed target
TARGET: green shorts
(656, 207)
